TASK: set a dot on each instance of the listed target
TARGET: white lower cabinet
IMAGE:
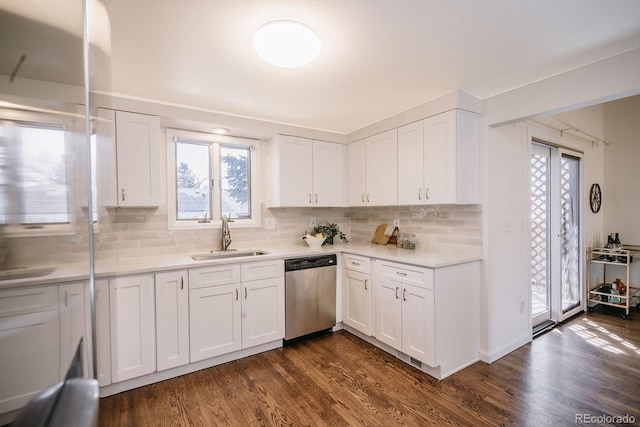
(234, 307)
(132, 321)
(103, 331)
(263, 304)
(214, 311)
(72, 324)
(214, 318)
(172, 319)
(404, 316)
(29, 344)
(357, 293)
(426, 316)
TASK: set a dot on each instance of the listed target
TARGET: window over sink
(210, 176)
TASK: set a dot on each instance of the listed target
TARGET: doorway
(556, 278)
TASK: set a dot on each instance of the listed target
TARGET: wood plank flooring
(589, 365)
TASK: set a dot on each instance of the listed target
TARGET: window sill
(43, 231)
(213, 224)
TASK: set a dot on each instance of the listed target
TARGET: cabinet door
(215, 321)
(418, 323)
(106, 168)
(389, 313)
(138, 159)
(357, 173)
(440, 158)
(29, 344)
(262, 311)
(357, 301)
(382, 169)
(328, 174)
(295, 158)
(172, 319)
(411, 164)
(132, 327)
(103, 332)
(72, 324)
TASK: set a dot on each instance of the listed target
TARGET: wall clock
(595, 198)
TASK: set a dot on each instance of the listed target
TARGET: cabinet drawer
(28, 300)
(357, 263)
(418, 276)
(262, 270)
(214, 276)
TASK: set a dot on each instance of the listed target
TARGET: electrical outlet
(396, 222)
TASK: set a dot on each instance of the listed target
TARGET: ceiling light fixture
(286, 44)
(221, 131)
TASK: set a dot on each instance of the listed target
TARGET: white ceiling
(379, 57)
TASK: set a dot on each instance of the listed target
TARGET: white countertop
(78, 272)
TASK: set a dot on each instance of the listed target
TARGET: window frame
(66, 123)
(215, 142)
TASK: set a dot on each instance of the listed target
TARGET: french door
(556, 278)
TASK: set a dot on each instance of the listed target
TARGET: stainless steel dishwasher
(310, 295)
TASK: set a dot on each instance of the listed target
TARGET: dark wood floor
(589, 365)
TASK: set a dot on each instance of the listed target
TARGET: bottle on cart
(616, 241)
(609, 241)
(622, 289)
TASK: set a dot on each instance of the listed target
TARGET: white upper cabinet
(328, 174)
(372, 170)
(382, 169)
(451, 158)
(438, 160)
(411, 164)
(357, 173)
(307, 172)
(128, 146)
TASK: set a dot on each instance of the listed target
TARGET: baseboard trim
(490, 357)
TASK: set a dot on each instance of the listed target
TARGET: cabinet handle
(365, 284)
(426, 193)
(362, 197)
(236, 294)
(66, 298)
(181, 283)
(309, 198)
(123, 194)
(368, 198)
(400, 273)
(316, 197)
(396, 292)
(404, 294)
(355, 263)
(245, 293)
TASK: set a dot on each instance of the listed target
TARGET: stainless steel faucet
(226, 233)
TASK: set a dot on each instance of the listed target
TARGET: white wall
(504, 273)
(504, 307)
(621, 186)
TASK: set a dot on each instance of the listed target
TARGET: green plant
(329, 230)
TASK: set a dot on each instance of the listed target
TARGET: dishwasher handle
(295, 264)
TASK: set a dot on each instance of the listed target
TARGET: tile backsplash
(129, 235)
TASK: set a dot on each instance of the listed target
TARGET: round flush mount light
(286, 44)
(221, 131)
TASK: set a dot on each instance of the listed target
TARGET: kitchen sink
(213, 255)
(25, 273)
